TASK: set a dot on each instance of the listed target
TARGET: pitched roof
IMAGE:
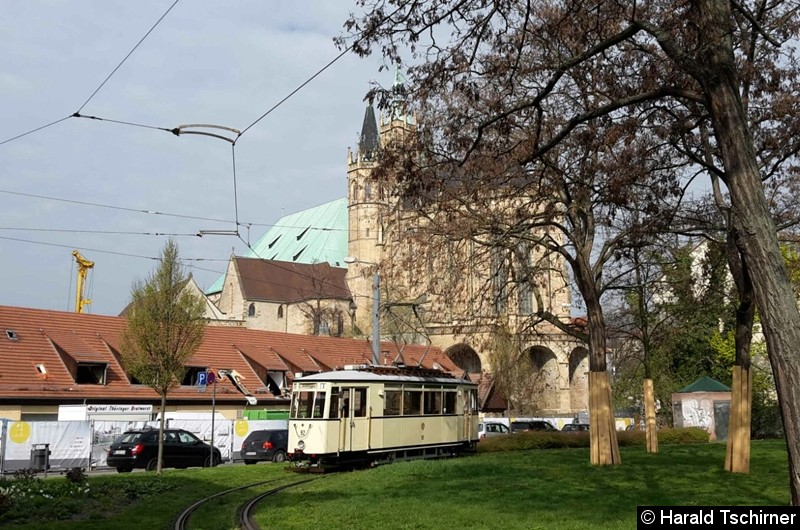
(281, 281)
(29, 337)
(705, 384)
(314, 235)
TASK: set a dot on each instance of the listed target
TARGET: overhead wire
(114, 71)
(77, 113)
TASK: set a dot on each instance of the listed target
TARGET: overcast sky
(211, 62)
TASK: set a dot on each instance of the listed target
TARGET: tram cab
(365, 415)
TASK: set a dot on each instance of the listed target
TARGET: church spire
(368, 144)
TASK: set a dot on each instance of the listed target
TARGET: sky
(86, 185)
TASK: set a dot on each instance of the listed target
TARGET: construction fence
(62, 445)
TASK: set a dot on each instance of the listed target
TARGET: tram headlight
(301, 445)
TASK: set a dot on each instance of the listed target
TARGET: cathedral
(322, 271)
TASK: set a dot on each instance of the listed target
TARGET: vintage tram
(368, 415)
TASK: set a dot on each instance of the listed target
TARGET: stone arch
(544, 378)
(464, 357)
(579, 379)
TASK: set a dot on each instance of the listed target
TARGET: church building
(343, 256)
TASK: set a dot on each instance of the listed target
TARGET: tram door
(353, 419)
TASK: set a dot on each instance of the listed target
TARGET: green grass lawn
(524, 489)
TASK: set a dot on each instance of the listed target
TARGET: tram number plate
(250, 453)
(119, 452)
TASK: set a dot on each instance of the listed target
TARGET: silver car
(489, 429)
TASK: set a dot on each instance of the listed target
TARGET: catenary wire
(127, 56)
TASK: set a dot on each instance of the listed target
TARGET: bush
(76, 475)
(524, 441)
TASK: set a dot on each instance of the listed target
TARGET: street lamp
(376, 303)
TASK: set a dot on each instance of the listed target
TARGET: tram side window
(334, 404)
(433, 402)
(360, 402)
(392, 402)
(309, 405)
(319, 405)
(412, 403)
(449, 403)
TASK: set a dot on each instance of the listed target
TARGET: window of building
(280, 311)
(91, 373)
(499, 280)
(251, 310)
(192, 375)
(367, 192)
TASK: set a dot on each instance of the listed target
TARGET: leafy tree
(497, 68)
(164, 327)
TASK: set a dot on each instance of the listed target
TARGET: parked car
(534, 425)
(575, 427)
(489, 429)
(266, 445)
(139, 449)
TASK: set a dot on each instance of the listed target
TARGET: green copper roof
(315, 235)
(705, 384)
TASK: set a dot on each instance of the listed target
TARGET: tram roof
(363, 376)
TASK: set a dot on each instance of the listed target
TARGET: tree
(164, 327)
(499, 66)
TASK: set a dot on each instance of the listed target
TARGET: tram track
(246, 521)
(244, 513)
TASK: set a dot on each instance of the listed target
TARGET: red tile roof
(29, 337)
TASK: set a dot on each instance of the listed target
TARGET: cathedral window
(367, 192)
(251, 310)
(280, 311)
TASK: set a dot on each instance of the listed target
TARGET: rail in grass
(368, 415)
(245, 517)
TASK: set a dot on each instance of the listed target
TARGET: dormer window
(41, 369)
(192, 375)
(91, 373)
(11, 334)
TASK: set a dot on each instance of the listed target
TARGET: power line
(77, 114)
(34, 130)
(126, 57)
(165, 214)
(125, 254)
(79, 231)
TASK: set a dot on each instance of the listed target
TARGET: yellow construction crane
(83, 268)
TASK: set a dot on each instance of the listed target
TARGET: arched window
(280, 311)
(367, 191)
(251, 311)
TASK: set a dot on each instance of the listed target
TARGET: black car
(575, 427)
(266, 445)
(535, 425)
(139, 449)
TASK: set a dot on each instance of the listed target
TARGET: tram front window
(308, 405)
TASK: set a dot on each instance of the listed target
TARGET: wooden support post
(651, 432)
(604, 448)
(737, 455)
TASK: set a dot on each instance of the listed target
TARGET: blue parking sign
(201, 378)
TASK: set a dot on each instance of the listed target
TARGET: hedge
(558, 440)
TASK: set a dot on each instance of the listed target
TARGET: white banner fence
(68, 444)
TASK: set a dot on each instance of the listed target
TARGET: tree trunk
(757, 233)
(604, 447)
(651, 432)
(737, 457)
(161, 434)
